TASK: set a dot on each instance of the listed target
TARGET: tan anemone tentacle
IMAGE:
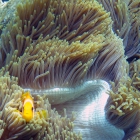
(14, 126)
(120, 16)
(122, 109)
(86, 35)
(126, 23)
(58, 47)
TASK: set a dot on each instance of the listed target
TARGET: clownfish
(28, 110)
(28, 106)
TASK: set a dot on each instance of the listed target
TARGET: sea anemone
(14, 126)
(120, 16)
(59, 51)
(125, 16)
(53, 45)
(123, 108)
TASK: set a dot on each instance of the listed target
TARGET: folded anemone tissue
(69, 70)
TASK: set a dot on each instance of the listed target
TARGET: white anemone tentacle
(90, 118)
(88, 100)
(60, 95)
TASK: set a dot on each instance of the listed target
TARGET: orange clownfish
(28, 106)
